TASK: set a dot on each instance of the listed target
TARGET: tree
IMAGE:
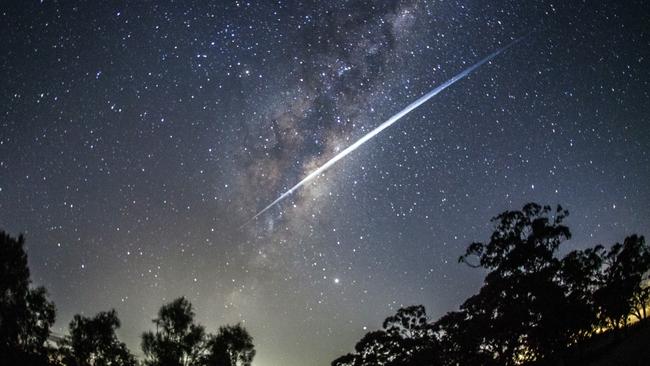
(345, 360)
(231, 346)
(460, 340)
(641, 299)
(532, 304)
(407, 338)
(523, 241)
(93, 342)
(580, 273)
(177, 341)
(409, 322)
(635, 260)
(521, 306)
(622, 290)
(414, 336)
(26, 314)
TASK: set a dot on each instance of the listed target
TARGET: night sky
(136, 138)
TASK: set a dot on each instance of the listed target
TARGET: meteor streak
(384, 126)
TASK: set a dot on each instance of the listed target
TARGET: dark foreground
(628, 346)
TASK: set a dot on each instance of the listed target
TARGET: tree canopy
(231, 346)
(533, 305)
(406, 338)
(26, 314)
(93, 342)
(178, 341)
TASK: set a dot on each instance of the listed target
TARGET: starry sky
(136, 137)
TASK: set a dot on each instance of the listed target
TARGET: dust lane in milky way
(382, 127)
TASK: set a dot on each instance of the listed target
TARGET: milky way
(396, 117)
(136, 137)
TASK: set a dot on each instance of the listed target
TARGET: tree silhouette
(406, 339)
(641, 299)
(523, 241)
(375, 348)
(231, 346)
(522, 305)
(93, 342)
(414, 336)
(26, 314)
(532, 304)
(460, 340)
(622, 291)
(177, 341)
(580, 273)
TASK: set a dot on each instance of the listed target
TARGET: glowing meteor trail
(384, 126)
